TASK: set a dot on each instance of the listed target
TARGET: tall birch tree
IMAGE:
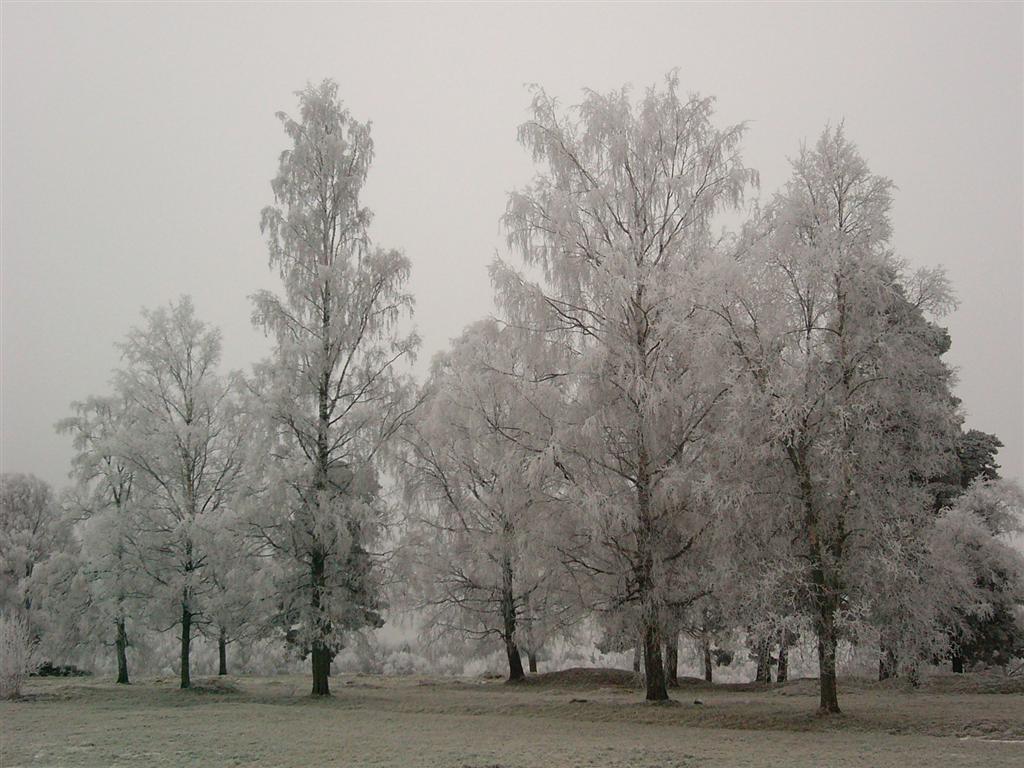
(614, 234)
(332, 394)
(846, 392)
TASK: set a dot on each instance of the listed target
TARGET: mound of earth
(587, 677)
(214, 685)
(974, 683)
(605, 677)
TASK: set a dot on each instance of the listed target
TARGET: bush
(49, 669)
(17, 654)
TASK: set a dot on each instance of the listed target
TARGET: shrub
(49, 669)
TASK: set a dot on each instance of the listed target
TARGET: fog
(138, 142)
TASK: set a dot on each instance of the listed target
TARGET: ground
(576, 718)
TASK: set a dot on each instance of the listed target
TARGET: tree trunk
(764, 661)
(321, 658)
(222, 653)
(319, 651)
(825, 594)
(783, 671)
(829, 695)
(672, 661)
(122, 655)
(886, 661)
(186, 643)
(508, 611)
(515, 659)
(533, 661)
(515, 662)
(958, 663)
(654, 671)
(708, 669)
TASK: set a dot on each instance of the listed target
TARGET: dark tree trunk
(515, 662)
(533, 661)
(654, 670)
(887, 661)
(672, 661)
(508, 616)
(958, 663)
(764, 661)
(320, 652)
(824, 590)
(708, 668)
(186, 644)
(783, 671)
(222, 654)
(321, 658)
(829, 694)
(122, 653)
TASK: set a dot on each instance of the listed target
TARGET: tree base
(663, 702)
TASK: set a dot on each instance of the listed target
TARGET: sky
(139, 140)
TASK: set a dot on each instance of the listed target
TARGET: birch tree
(614, 234)
(481, 544)
(332, 393)
(847, 393)
(184, 448)
(109, 559)
(238, 605)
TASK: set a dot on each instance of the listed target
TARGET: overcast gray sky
(138, 142)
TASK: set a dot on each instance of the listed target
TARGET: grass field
(576, 718)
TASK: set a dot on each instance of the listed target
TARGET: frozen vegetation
(593, 719)
(739, 448)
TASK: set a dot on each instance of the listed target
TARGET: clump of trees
(671, 433)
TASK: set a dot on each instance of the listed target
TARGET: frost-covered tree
(976, 451)
(482, 542)
(239, 602)
(32, 528)
(843, 399)
(105, 588)
(614, 234)
(332, 396)
(988, 621)
(956, 587)
(183, 448)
